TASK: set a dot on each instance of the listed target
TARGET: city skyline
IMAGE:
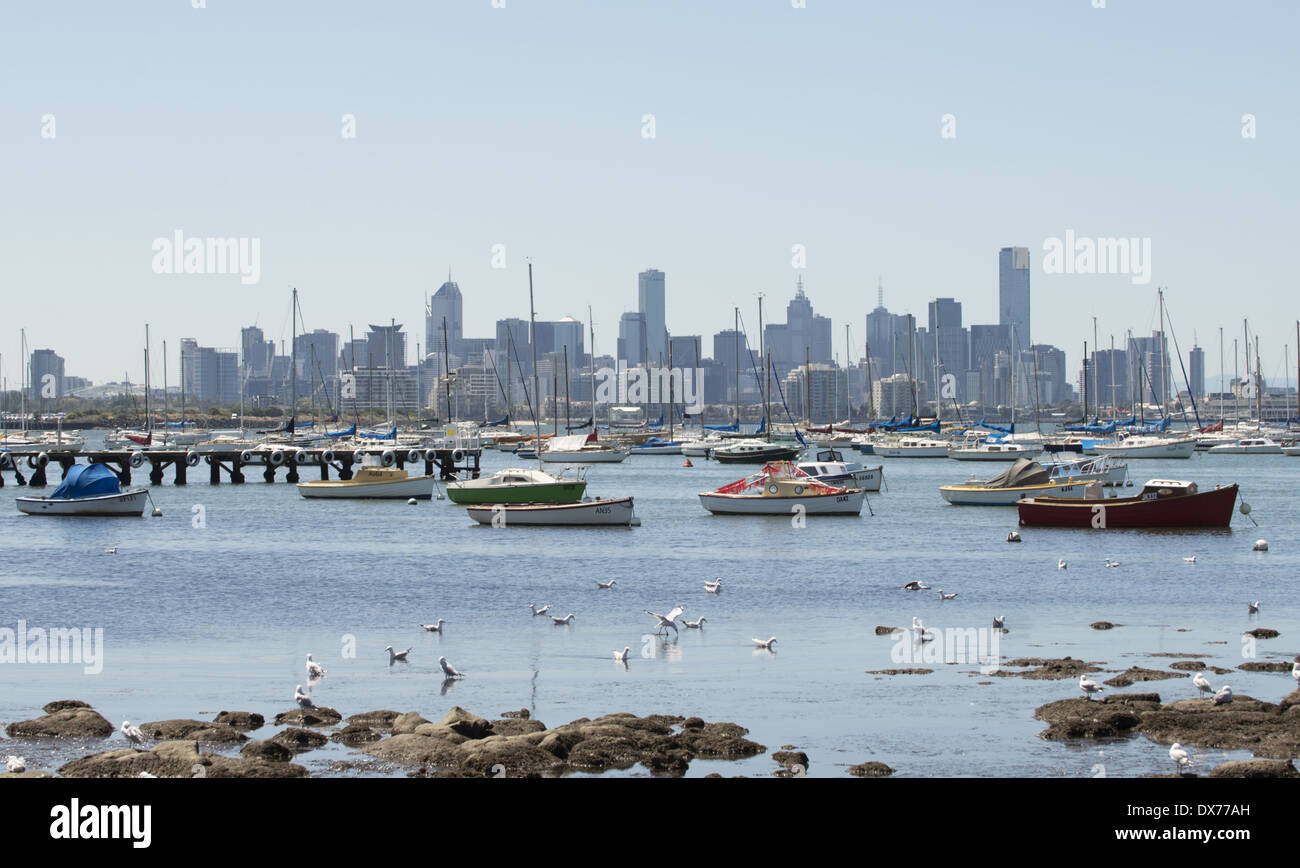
(910, 161)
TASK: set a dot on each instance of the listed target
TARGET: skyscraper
(1013, 292)
(633, 342)
(1196, 372)
(447, 303)
(46, 375)
(650, 304)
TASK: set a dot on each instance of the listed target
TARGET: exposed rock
(790, 758)
(244, 721)
(191, 730)
(414, 750)
(270, 751)
(405, 724)
(1198, 666)
(355, 735)
(1255, 768)
(318, 716)
(605, 752)
(1057, 668)
(1135, 674)
(63, 704)
(1112, 716)
(231, 767)
(1262, 666)
(871, 770)
(299, 740)
(1104, 625)
(505, 756)
(721, 740)
(521, 714)
(75, 722)
(1263, 633)
(693, 723)
(468, 725)
(1245, 723)
(899, 671)
(28, 774)
(382, 719)
(886, 631)
(175, 759)
(442, 731)
(517, 726)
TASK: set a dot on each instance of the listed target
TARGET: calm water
(200, 619)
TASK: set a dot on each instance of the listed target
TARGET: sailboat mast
(446, 368)
(807, 384)
(532, 339)
(591, 328)
(567, 420)
(671, 396)
(736, 335)
(293, 359)
(148, 420)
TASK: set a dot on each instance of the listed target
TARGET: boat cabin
(1156, 489)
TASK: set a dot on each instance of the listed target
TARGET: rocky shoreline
(461, 744)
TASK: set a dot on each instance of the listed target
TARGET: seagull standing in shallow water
(567, 619)
(394, 656)
(1252, 608)
(314, 669)
(943, 596)
(434, 628)
(765, 645)
(694, 625)
(1179, 756)
(1295, 671)
(303, 700)
(666, 621)
(449, 670)
(605, 586)
(1061, 564)
(1202, 683)
(1224, 695)
(16, 764)
(714, 586)
(1088, 686)
(541, 611)
(621, 656)
(133, 733)
(1000, 622)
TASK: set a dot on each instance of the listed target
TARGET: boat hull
(594, 456)
(126, 503)
(976, 495)
(418, 487)
(616, 512)
(777, 453)
(836, 503)
(1175, 449)
(1203, 509)
(545, 492)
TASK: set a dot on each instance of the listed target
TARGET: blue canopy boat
(88, 489)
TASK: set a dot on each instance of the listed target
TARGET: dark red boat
(1161, 503)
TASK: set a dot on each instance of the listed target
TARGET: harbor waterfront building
(818, 392)
(1196, 372)
(46, 375)
(892, 395)
(317, 355)
(633, 339)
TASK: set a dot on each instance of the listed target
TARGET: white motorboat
(994, 451)
(1109, 471)
(88, 490)
(911, 447)
(1248, 446)
(1148, 447)
(615, 511)
(753, 451)
(1293, 451)
(701, 447)
(372, 481)
(1025, 478)
(781, 488)
(831, 468)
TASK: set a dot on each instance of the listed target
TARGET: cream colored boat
(372, 481)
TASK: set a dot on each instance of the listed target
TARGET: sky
(903, 142)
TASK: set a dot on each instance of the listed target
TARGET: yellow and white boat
(372, 481)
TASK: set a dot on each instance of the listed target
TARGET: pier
(32, 468)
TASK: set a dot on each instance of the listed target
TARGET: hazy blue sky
(522, 126)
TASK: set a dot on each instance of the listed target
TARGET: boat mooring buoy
(157, 512)
(687, 463)
(1261, 545)
(412, 502)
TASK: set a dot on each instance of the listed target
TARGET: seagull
(1012, 536)
(1111, 563)
(1224, 695)
(943, 596)
(1000, 622)
(16, 764)
(666, 621)
(434, 628)
(1088, 686)
(1061, 564)
(1202, 683)
(132, 733)
(1252, 608)
(1190, 560)
(714, 586)
(145, 775)
(448, 669)
(694, 625)
(621, 656)
(605, 586)
(565, 620)
(764, 645)
(111, 551)
(314, 669)
(1295, 671)
(919, 629)
(915, 585)
(394, 656)
(541, 611)
(1179, 756)
(303, 700)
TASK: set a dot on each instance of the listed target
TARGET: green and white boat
(518, 485)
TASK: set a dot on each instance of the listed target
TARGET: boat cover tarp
(734, 426)
(1009, 430)
(656, 441)
(933, 427)
(1152, 428)
(588, 424)
(566, 443)
(347, 433)
(756, 482)
(1025, 471)
(391, 435)
(504, 420)
(89, 480)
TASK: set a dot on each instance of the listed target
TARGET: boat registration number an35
(603, 510)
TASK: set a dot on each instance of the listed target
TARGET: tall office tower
(318, 355)
(633, 340)
(1196, 372)
(650, 304)
(387, 346)
(257, 351)
(1111, 387)
(513, 347)
(952, 341)
(724, 353)
(46, 373)
(446, 303)
(1013, 292)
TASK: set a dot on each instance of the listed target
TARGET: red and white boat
(1161, 503)
(781, 488)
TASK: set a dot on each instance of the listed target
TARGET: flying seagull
(915, 585)
(666, 621)
(1000, 622)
